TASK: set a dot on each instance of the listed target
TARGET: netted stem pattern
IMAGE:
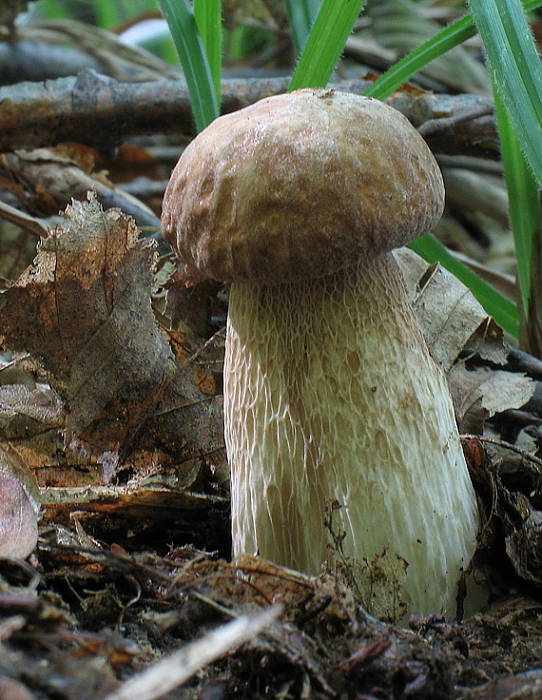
(331, 396)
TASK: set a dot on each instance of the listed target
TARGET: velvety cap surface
(298, 186)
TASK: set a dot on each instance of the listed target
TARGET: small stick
(434, 126)
(175, 669)
(507, 445)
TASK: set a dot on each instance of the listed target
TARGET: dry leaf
(18, 526)
(448, 313)
(25, 412)
(493, 391)
(31, 432)
(523, 536)
(83, 308)
(49, 177)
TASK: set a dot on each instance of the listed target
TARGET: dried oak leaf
(83, 309)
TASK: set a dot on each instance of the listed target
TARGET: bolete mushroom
(330, 393)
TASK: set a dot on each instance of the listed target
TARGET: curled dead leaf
(480, 393)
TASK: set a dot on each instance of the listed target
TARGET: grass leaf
(516, 70)
(183, 28)
(301, 15)
(523, 199)
(325, 43)
(209, 23)
(447, 38)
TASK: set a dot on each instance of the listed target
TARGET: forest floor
(111, 418)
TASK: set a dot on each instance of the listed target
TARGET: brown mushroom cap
(299, 186)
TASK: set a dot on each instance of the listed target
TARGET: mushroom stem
(331, 396)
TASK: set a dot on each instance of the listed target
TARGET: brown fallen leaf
(480, 393)
(25, 411)
(83, 309)
(508, 482)
(18, 526)
(523, 534)
(51, 176)
(449, 314)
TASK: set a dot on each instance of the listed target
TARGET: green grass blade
(107, 15)
(301, 15)
(523, 199)
(452, 35)
(498, 306)
(325, 43)
(448, 38)
(209, 23)
(183, 28)
(516, 70)
(53, 9)
(525, 212)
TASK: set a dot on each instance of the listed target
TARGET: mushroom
(339, 427)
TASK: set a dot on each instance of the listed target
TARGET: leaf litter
(114, 420)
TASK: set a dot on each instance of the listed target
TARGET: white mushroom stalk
(330, 394)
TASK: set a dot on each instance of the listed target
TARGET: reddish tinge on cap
(299, 186)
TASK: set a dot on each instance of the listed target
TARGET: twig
(177, 668)
(508, 446)
(98, 110)
(434, 126)
(203, 348)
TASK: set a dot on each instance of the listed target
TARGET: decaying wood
(98, 110)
